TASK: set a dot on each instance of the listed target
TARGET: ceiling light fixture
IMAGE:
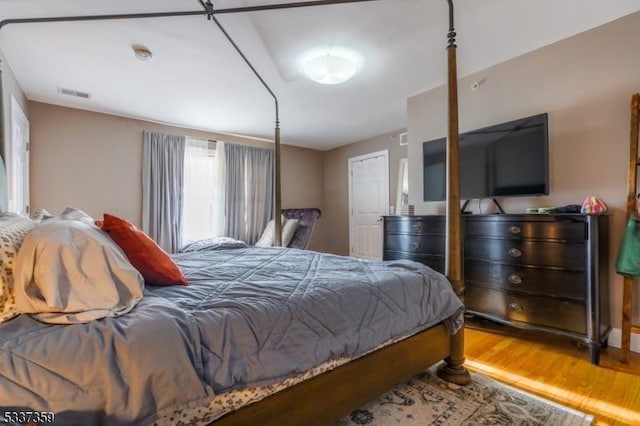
(332, 66)
(142, 53)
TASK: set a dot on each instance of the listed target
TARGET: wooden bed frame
(333, 394)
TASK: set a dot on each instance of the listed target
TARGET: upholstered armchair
(307, 220)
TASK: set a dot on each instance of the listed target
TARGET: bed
(249, 317)
(336, 379)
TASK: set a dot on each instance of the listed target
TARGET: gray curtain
(250, 191)
(162, 187)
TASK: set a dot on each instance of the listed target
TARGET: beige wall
(584, 83)
(10, 88)
(336, 185)
(93, 161)
(302, 179)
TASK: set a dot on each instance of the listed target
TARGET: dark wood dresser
(538, 271)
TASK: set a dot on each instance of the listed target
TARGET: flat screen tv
(505, 160)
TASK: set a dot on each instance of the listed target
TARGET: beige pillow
(289, 227)
(69, 271)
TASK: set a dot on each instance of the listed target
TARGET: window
(203, 196)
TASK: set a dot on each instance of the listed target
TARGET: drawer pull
(514, 252)
(515, 279)
(515, 307)
(417, 227)
(416, 245)
(515, 229)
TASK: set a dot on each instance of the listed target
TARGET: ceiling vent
(76, 93)
(403, 138)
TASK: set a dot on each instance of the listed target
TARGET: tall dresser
(543, 271)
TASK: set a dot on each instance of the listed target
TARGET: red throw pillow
(155, 265)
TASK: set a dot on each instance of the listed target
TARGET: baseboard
(615, 339)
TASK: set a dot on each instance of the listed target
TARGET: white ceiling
(197, 80)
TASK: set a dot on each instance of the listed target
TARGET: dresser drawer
(524, 252)
(541, 311)
(415, 225)
(562, 230)
(545, 282)
(434, 261)
(432, 244)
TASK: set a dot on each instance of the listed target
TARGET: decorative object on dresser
(406, 210)
(402, 195)
(543, 272)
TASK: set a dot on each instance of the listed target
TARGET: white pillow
(289, 227)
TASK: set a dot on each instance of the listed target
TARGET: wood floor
(557, 368)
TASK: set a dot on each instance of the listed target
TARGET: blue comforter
(248, 317)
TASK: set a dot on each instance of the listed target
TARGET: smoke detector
(142, 53)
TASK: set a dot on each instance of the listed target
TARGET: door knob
(515, 279)
(515, 307)
(514, 252)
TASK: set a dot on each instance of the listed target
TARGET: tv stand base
(463, 210)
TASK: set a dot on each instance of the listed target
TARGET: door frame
(350, 161)
(18, 118)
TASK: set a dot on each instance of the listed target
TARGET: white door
(18, 161)
(368, 202)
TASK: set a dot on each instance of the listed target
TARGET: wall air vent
(403, 138)
(76, 93)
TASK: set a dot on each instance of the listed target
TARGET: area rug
(427, 400)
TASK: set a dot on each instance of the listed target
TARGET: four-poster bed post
(453, 371)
